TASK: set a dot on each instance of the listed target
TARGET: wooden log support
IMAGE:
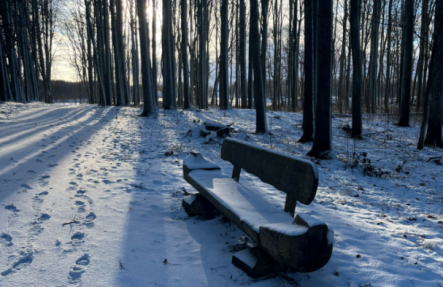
(256, 262)
(196, 204)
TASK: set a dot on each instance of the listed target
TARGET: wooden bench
(303, 244)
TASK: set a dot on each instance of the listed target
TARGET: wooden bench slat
(296, 177)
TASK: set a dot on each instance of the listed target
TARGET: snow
(247, 257)
(198, 162)
(310, 221)
(287, 229)
(330, 236)
(105, 170)
(245, 203)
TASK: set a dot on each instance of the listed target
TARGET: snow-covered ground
(88, 197)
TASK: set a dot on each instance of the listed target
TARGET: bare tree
(261, 126)
(435, 87)
(149, 106)
(357, 75)
(322, 145)
(308, 101)
(224, 73)
(408, 23)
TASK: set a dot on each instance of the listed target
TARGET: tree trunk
(407, 64)
(224, 83)
(184, 54)
(357, 75)
(264, 40)
(434, 133)
(322, 145)
(308, 95)
(149, 106)
(388, 59)
(261, 126)
(243, 91)
(373, 57)
(341, 87)
(168, 77)
(154, 52)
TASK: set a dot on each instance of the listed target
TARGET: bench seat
(241, 205)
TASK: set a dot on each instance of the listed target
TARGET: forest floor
(92, 197)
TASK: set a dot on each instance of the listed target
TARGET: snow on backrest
(296, 177)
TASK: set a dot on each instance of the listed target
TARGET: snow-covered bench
(300, 245)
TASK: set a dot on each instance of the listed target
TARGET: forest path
(88, 197)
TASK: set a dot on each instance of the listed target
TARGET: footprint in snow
(38, 200)
(84, 260)
(77, 238)
(81, 206)
(75, 274)
(89, 222)
(43, 217)
(6, 239)
(31, 171)
(26, 186)
(24, 260)
(11, 207)
(80, 192)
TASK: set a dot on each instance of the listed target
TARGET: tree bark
(184, 54)
(149, 106)
(308, 96)
(224, 83)
(434, 132)
(407, 64)
(373, 57)
(261, 126)
(322, 145)
(357, 75)
(243, 90)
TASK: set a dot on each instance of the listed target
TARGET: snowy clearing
(89, 197)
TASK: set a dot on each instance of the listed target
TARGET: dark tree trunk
(168, 72)
(308, 96)
(224, 83)
(243, 54)
(154, 52)
(264, 40)
(323, 116)
(434, 133)
(388, 59)
(407, 64)
(423, 52)
(373, 57)
(357, 77)
(149, 107)
(184, 54)
(250, 76)
(261, 126)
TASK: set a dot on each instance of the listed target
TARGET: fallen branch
(74, 221)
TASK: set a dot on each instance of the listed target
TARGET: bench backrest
(296, 177)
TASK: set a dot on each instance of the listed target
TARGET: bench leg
(256, 262)
(196, 204)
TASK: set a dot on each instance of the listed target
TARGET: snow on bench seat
(243, 206)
